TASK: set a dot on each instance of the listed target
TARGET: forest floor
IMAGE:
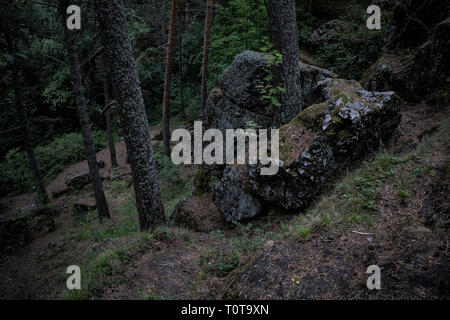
(391, 211)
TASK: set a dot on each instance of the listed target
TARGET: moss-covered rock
(238, 99)
(315, 146)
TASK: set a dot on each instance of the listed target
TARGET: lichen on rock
(315, 146)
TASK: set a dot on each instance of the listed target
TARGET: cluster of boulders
(340, 125)
(318, 144)
(338, 122)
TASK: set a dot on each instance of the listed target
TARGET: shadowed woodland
(87, 178)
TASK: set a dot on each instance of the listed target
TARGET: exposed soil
(412, 254)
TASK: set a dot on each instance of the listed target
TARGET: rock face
(414, 74)
(237, 100)
(431, 66)
(315, 146)
(233, 197)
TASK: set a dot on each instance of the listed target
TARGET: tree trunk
(21, 112)
(28, 142)
(166, 98)
(79, 91)
(180, 66)
(107, 96)
(208, 23)
(284, 36)
(125, 80)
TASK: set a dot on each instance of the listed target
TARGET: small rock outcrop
(79, 181)
(315, 146)
(329, 31)
(416, 62)
(237, 99)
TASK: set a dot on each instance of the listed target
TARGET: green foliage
(351, 52)
(98, 272)
(238, 26)
(267, 88)
(219, 263)
(52, 158)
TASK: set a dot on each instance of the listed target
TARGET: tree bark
(125, 80)
(28, 142)
(180, 67)
(107, 96)
(207, 34)
(25, 123)
(88, 141)
(284, 36)
(167, 78)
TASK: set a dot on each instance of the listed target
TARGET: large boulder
(315, 146)
(237, 100)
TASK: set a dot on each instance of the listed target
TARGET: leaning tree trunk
(38, 183)
(180, 66)
(107, 96)
(207, 34)
(284, 36)
(125, 80)
(166, 98)
(79, 91)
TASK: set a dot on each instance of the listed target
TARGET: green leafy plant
(267, 88)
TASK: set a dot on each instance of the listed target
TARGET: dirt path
(58, 184)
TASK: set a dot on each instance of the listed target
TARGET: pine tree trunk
(166, 98)
(180, 66)
(21, 112)
(37, 179)
(125, 80)
(208, 23)
(107, 96)
(88, 141)
(284, 36)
